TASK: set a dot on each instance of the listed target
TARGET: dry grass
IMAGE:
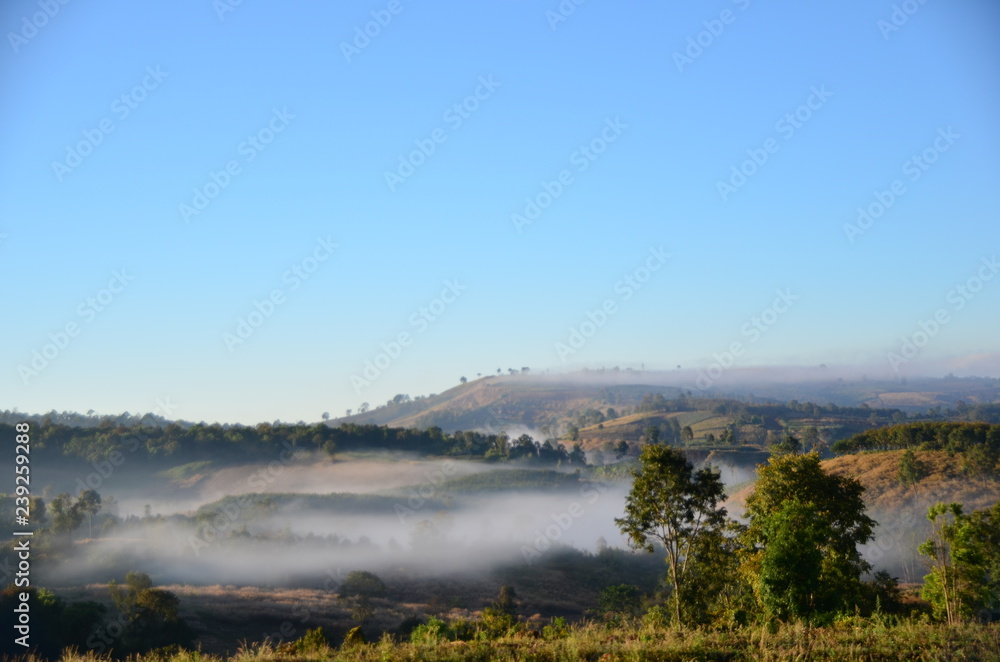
(849, 641)
(879, 473)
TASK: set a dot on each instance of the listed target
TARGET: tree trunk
(677, 593)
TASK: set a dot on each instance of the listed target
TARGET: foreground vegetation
(848, 640)
(785, 580)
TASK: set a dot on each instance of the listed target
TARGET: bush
(620, 600)
(496, 623)
(464, 630)
(313, 641)
(557, 630)
(354, 637)
(656, 618)
(363, 584)
(432, 632)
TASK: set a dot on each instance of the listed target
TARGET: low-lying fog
(408, 520)
(407, 524)
(306, 474)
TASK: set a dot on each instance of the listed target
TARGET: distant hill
(507, 402)
(549, 404)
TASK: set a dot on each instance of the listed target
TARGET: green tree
(364, 584)
(964, 551)
(980, 461)
(89, 504)
(675, 430)
(810, 438)
(362, 610)
(791, 563)
(618, 602)
(151, 615)
(911, 470)
(621, 450)
(943, 585)
(652, 435)
(798, 512)
(717, 594)
(501, 616)
(675, 505)
(687, 434)
(788, 444)
(66, 517)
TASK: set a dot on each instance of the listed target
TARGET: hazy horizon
(297, 209)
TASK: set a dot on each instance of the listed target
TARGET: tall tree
(980, 460)
(810, 438)
(964, 551)
(89, 503)
(799, 513)
(151, 615)
(789, 444)
(65, 515)
(675, 505)
(911, 470)
(791, 565)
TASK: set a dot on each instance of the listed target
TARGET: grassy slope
(879, 473)
(536, 400)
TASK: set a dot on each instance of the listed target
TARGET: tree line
(262, 442)
(794, 556)
(953, 437)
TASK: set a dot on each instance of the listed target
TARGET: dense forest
(229, 444)
(953, 437)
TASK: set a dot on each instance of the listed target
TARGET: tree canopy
(674, 505)
(799, 515)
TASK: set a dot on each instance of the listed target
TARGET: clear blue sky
(335, 123)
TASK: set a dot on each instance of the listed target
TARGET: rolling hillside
(549, 404)
(945, 482)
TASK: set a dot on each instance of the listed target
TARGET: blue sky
(114, 118)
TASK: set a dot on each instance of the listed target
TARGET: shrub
(432, 632)
(363, 584)
(313, 641)
(656, 618)
(558, 629)
(354, 637)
